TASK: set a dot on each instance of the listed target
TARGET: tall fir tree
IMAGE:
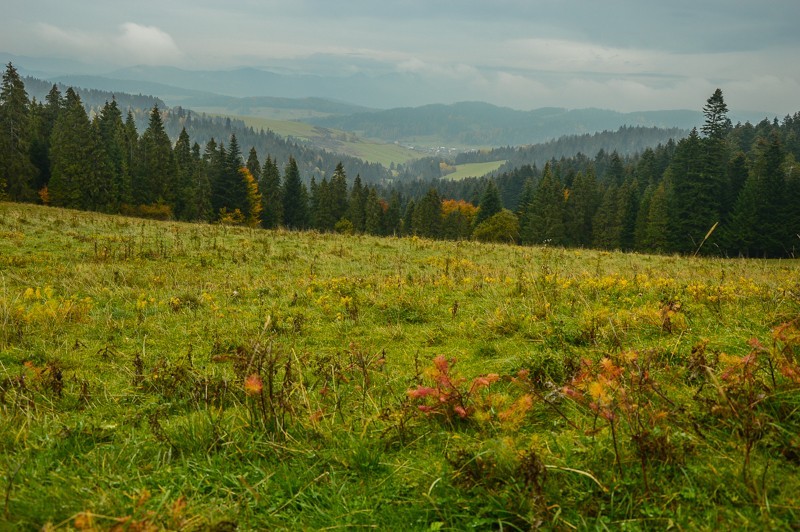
(427, 218)
(253, 165)
(355, 210)
(605, 224)
(155, 176)
(693, 196)
(580, 209)
(185, 179)
(45, 119)
(490, 203)
(295, 197)
(544, 223)
(373, 213)
(112, 133)
(393, 215)
(271, 195)
(102, 180)
(70, 154)
(16, 170)
(338, 191)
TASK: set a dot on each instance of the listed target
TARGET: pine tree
(100, 194)
(490, 203)
(544, 221)
(155, 176)
(427, 217)
(407, 223)
(44, 118)
(373, 213)
(185, 179)
(70, 154)
(693, 196)
(131, 150)
(295, 197)
(338, 193)
(253, 165)
(715, 110)
(656, 234)
(271, 195)
(16, 170)
(356, 209)
(580, 209)
(113, 144)
(627, 211)
(605, 224)
(393, 218)
(229, 191)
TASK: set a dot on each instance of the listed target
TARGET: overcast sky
(617, 54)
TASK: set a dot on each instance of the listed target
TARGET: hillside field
(464, 171)
(178, 376)
(336, 141)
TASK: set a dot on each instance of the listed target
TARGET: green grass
(474, 170)
(186, 376)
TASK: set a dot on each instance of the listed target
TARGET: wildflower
(420, 391)
(253, 385)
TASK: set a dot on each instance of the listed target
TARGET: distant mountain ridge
(483, 124)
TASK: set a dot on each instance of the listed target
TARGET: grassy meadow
(195, 377)
(335, 140)
(464, 171)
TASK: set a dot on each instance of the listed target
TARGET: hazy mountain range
(354, 102)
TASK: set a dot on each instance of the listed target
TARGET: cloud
(149, 44)
(134, 44)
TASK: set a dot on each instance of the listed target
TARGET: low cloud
(148, 44)
(134, 44)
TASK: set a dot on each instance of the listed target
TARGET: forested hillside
(627, 140)
(482, 124)
(722, 190)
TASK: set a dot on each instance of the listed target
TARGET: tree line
(723, 189)
(730, 190)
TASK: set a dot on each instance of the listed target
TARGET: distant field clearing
(474, 170)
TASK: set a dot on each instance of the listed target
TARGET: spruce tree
(355, 211)
(70, 154)
(581, 206)
(427, 217)
(656, 233)
(693, 195)
(100, 193)
(271, 194)
(185, 180)
(490, 203)
(605, 224)
(113, 144)
(715, 111)
(45, 119)
(393, 217)
(373, 215)
(16, 170)
(338, 193)
(199, 207)
(544, 221)
(155, 176)
(253, 165)
(295, 197)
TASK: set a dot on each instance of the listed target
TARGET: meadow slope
(166, 375)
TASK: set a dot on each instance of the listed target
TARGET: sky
(625, 55)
